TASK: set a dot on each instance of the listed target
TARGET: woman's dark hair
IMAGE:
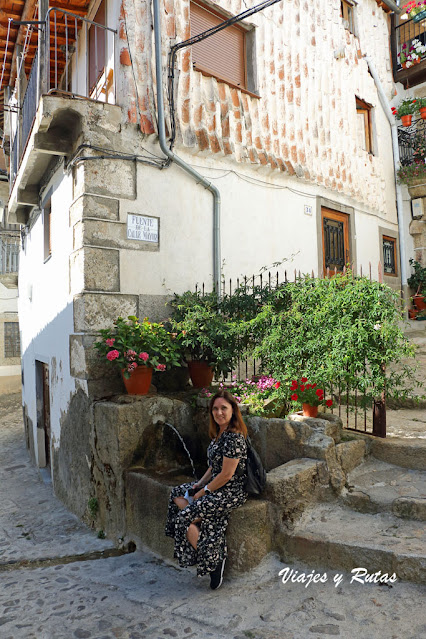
(236, 423)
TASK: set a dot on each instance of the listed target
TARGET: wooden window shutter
(222, 55)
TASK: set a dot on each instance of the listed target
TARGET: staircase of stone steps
(378, 523)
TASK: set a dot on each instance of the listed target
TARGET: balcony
(412, 141)
(409, 72)
(72, 75)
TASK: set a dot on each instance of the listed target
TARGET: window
(347, 13)
(363, 114)
(97, 52)
(47, 214)
(389, 255)
(222, 55)
(12, 346)
(335, 240)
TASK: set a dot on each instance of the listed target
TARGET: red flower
(302, 387)
(278, 384)
(308, 386)
(294, 397)
(304, 380)
(313, 385)
(319, 392)
(294, 385)
(329, 402)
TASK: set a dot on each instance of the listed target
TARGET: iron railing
(63, 30)
(71, 41)
(29, 105)
(405, 33)
(411, 141)
(9, 255)
(352, 405)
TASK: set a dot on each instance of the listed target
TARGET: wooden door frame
(335, 207)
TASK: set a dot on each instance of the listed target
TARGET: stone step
(407, 453)
(332, 536)
(377, 486)
(147, 496)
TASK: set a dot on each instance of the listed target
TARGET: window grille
(389, 254)
(12, 346)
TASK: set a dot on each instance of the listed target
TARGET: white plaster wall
(45, 307)
(262, 222)
(8, 299)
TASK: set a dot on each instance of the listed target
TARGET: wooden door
(46, 412)
(335, 240)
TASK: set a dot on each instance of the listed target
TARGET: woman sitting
(198, 513)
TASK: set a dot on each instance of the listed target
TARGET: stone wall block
(93, 311)
(114, 178)
(96, 269)
(350, 454)
(86, 363)
(109, 234)
(94, 206)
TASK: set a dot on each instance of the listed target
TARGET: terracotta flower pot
(412, 313)
(310, 411)
(139, 380)
(201, 373)
(419, 302)
(406, 119)
(423, 113)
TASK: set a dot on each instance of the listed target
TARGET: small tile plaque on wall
(142, 227)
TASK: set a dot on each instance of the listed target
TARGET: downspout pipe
(176, 159)
(399, 203)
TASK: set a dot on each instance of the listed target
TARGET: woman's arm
(204, 479)
(229, 466)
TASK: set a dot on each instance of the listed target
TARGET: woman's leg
(181, 502)
(192, 534)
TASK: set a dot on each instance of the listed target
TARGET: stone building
(281, 149)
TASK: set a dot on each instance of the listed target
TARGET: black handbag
(256, 475)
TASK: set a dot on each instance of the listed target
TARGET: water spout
(184, 445)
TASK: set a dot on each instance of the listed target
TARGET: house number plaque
(142, 227)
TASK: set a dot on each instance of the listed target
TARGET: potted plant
(137, 347)
(415, 9)
(209, 340)
(309, 395)
(421, 107)
(417, 281)
(404, 111)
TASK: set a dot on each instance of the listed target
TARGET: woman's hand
(200, 493)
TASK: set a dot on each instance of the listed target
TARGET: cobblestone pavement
(139, 596)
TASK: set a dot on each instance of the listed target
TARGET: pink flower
(110, 341)
(113, 355)
(132, 367)
(144, 356)
(161, 367)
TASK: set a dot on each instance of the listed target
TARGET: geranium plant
(406, 107)
(305, 392)
(413, 7)
(254, 393)
(131, 343)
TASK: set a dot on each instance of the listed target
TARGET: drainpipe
(399, 204)
(174, 158)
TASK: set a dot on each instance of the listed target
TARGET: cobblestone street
(52, 588)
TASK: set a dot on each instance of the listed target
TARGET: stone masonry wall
(304, 122)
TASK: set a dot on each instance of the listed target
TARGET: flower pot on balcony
(423, 113)
(406, 119)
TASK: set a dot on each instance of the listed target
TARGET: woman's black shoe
(216, 576)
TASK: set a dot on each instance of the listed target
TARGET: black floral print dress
(213, 509)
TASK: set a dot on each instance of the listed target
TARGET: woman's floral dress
(213, 509)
